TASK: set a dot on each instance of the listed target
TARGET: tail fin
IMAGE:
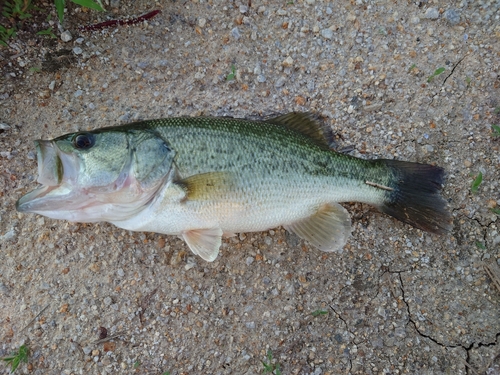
(415, 196)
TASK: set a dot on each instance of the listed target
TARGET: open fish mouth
(56, 172)
(64, 193)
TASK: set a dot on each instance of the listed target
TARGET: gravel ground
(395, 301)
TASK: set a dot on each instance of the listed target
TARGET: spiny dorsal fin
(304, 123)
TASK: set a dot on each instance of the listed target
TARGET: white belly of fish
(295, 204)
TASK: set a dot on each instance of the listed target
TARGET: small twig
(493, 272)
(379, 186)
(388, 279)
(37, 315)
(120, 22)
(110, 338)
(466, 364)
(493, 359)
(145, 303)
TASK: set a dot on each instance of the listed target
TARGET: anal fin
(204, 242)
(328, 229)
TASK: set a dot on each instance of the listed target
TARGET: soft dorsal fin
(304, 123)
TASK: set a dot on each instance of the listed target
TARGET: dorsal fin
(306, 124)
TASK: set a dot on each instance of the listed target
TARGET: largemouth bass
(200, 178)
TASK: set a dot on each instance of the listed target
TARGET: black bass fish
(200, 178)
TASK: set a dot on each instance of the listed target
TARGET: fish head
(103, 175)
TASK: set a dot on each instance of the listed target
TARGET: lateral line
(374, 184)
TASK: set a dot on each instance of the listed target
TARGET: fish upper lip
(50, 168)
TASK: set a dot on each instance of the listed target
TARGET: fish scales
(203, 177)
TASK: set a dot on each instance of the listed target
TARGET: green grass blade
(480, 245)
(88, 4)
(477, 181)
(319, 312)
(60, 9)
(231, 75)
(438, 71)
(496, 130)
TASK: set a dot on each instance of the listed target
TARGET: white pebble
(327, 33)
(66, 36)
(432, 14)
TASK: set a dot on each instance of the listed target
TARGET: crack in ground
(348, 330)
(446, 346)
(452, 70)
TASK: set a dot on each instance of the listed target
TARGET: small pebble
(280, 82)
(77, 51)
(52, 85)
(327, 33)
(243, 8)
(79, 40)
(236, 33)
(202, 22)
(288, 62)
(66, 36)
(78, 93)
(452, 16)
(432, 14)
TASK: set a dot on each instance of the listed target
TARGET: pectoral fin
(204, 242)
(328, 229)
(208, 186)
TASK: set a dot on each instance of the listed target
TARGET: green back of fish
(255, 148)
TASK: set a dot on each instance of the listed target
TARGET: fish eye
(83, 141)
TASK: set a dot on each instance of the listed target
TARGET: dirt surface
(395, 301)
